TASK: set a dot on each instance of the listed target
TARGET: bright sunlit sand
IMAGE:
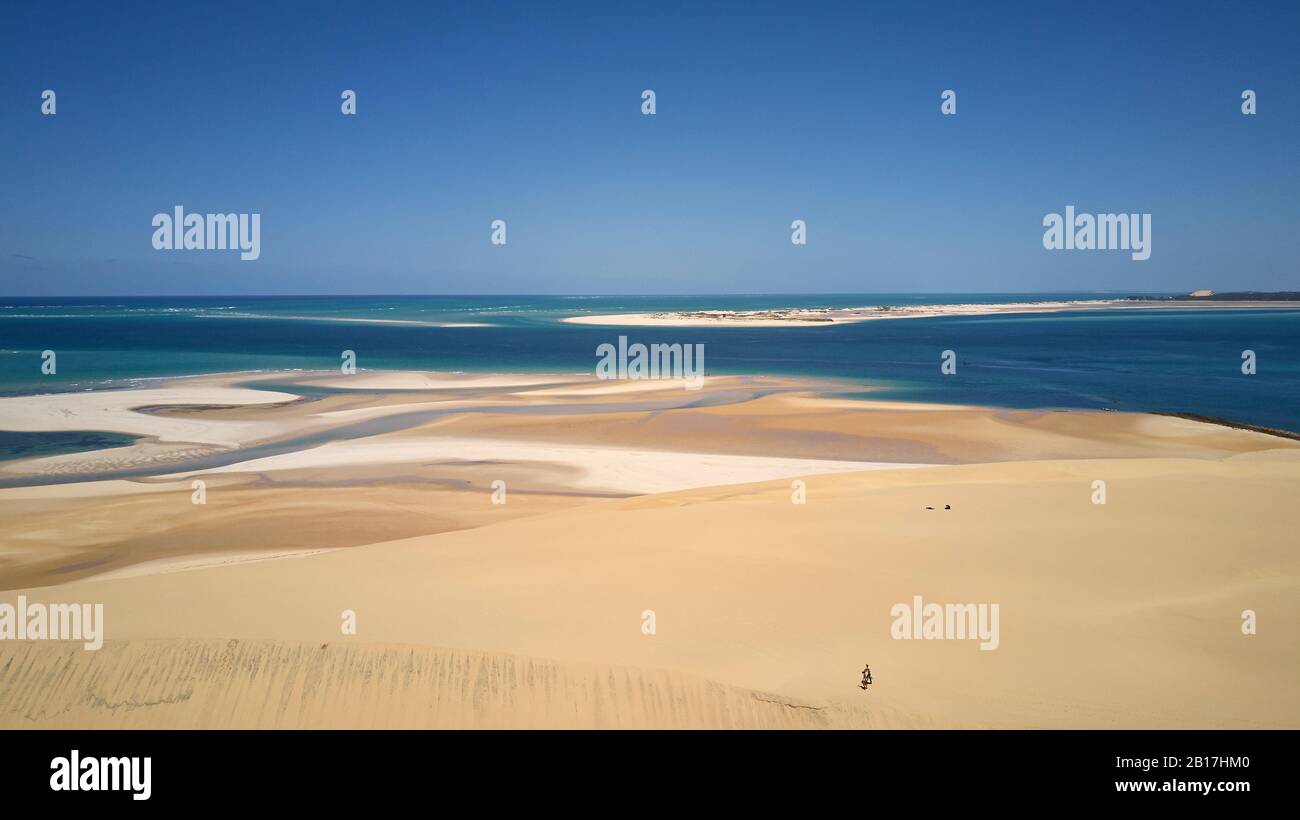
(769, 530)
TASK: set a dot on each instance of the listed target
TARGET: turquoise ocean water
(1179, 361)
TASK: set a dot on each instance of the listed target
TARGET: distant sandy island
(541, 550)
(815, 317)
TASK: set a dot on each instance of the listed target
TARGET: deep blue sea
(1180, 361)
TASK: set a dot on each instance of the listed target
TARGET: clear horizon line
(512, 295)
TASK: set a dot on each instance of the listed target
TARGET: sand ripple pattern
(276, 684)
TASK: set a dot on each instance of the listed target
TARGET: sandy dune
(530, 613)
(750, 592)
(366, 686)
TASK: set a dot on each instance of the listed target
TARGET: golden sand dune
(533, 612)
(285, 685)
(1129, 615)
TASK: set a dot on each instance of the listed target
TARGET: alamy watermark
(75, 773)
(655, 361)
(953, 622)
(197, 232)
(1086, 232)
(52, 622)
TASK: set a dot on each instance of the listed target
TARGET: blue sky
(530, 112)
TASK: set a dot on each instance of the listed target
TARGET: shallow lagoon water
(1163, 360)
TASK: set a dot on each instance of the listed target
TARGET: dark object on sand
(866, 677)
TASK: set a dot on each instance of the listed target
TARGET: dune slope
(1115, 615)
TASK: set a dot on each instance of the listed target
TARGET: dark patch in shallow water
(15, 445)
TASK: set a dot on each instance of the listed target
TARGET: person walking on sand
(866, 677)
